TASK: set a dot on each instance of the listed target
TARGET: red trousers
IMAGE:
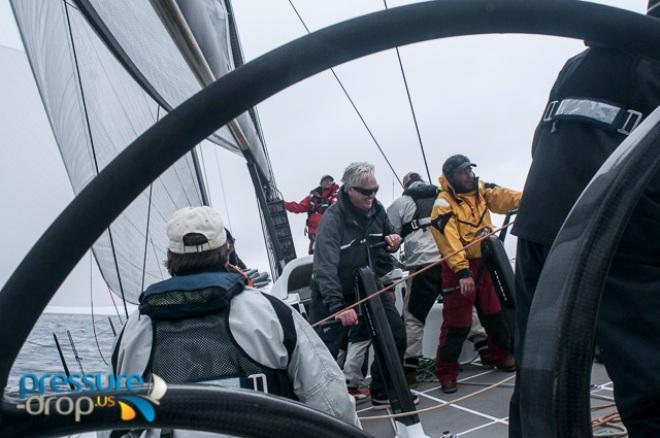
(457, 318)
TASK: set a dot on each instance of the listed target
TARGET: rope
(443, 405)
(403, 280)
(412, 108)
(115, 305)
(364, 123)
(91, 300)
(605, 406)
(607, 420)
(611, 421)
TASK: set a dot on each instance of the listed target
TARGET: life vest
(319, 204)
(192, 340)
(424, 197)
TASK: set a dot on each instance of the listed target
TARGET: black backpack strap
(415, 224)
(285, 317)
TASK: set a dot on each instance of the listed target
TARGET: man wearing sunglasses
(460, 215)
(345, 233)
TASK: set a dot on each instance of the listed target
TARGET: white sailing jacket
(316, 378)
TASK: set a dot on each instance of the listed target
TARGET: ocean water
(39, 354)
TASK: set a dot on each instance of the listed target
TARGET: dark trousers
(334, 335)
(627, 334)
(424, 291)
(457, 319)
(530, 258)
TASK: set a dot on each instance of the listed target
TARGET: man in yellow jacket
(461, 214)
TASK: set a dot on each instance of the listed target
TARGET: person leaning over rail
(570, 144)
(461, 214)
(410, 215)
(342, 247)
(204, 325)
(315, 205)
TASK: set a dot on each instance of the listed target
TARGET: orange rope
(248, 280)
(390, 286)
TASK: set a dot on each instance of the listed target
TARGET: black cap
(454, 163)
(324, 177)
(653, 8)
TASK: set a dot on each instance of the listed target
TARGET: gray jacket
(419, 246)
(317, 380)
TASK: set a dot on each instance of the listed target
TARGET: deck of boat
(484, 414)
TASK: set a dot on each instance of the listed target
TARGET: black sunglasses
(366, 192)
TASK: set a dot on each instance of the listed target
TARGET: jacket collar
(331, 192)
(186, 296)
(460, 197)
(420, 189)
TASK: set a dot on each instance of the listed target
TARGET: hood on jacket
(420, 189)
(446, 186)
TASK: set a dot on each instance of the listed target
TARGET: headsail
(106, 71)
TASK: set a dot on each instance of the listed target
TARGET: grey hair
(355, 173)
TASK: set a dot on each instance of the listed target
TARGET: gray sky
(479, 95)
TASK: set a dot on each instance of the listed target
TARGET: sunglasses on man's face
(366, 192)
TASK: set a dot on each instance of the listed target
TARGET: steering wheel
(120, 182)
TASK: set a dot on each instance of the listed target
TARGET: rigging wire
(146, 238)
(348, 96)
(203, 167)
(222, 186)
(115, 305)
(146, 233)
(153, 247)
(91, 300)
(91, 142)
(412, 108)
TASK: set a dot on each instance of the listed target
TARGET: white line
(434, 388)
(462, 408)
(389, 411)
(483, 426)
(458, 381)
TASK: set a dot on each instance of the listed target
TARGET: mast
(275, 224)
(281, 250)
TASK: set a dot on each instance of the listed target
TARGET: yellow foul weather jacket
(461, 218)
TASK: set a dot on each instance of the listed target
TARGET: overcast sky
(481, 96)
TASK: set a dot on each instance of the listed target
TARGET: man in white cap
(205, 325)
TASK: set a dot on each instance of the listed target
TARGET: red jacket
(314, 204)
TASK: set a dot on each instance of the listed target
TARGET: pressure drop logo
(80, 394)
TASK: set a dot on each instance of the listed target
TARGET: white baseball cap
(196, 220)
